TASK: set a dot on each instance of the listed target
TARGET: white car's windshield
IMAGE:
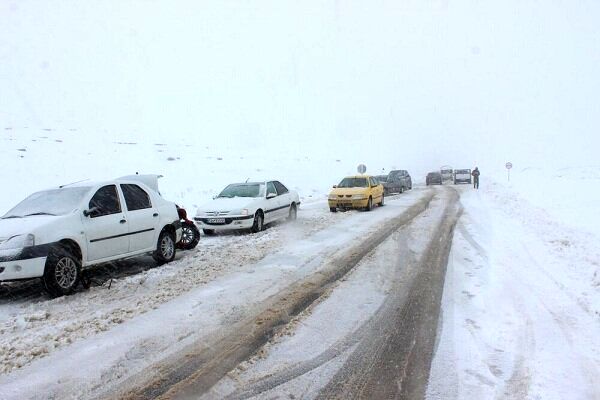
(49, 202)
(353, 182)
(243, 190)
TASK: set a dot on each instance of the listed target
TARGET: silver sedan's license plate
(216, 220)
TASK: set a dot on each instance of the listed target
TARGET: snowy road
(96, 342)
(387, 318)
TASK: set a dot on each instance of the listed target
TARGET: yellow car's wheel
(369, 206)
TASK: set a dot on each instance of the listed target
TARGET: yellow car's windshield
(353, 182)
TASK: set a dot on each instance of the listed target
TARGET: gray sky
(405, 83)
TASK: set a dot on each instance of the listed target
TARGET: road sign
(362, 168)
(508, 167)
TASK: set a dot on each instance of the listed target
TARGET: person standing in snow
(475, 174)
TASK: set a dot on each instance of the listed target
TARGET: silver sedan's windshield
(49, 202)
(243, 190)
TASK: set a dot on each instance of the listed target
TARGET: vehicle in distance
(359, 192)
(398, 181)
(447, 173)
(55, 234)
(381, 178)
(433, 178)
(462, 176)
(249, 205)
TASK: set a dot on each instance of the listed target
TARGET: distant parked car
(249, 205)
(447, 173)
(360, 191)
(381, 178)
(433, 178)
(462, 176)
(398, 181)
(54, 234)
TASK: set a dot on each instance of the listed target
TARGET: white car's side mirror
(271, 195)
(91, 211)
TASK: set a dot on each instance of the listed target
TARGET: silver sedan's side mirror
(271, 195)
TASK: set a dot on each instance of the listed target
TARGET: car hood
(226, 204)
(21, 226)
(346, 191)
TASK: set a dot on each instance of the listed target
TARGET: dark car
(462, 176)
(381, 178)
(397, 181)
(433, 178)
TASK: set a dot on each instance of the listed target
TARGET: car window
(244, 190)
(106, 201)
(280, 188)
(353, 182)
(136, 198)
(271, 188)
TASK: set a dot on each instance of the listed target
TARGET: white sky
(405, 83)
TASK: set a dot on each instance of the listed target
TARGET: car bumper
(228, 224)
(22, 269)
(350, 203)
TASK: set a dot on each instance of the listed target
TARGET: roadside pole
(508, 166)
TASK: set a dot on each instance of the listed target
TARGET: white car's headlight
(359, 197)
(244, 211)
(18, 242)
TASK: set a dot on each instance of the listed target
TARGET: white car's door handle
(122, 221)
(155, 215)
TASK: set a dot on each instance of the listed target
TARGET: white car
(54, 234)
(249, 205)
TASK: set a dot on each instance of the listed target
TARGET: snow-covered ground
(521, 305)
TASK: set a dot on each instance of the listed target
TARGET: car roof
(359, 176)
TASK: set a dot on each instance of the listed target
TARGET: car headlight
(18, 242)
(332, 197)
(244, 211)
(359, 197)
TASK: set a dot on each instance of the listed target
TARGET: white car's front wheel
(259, 220)
(293, 213)
(62, 272)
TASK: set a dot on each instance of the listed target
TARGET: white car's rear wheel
(165, 248)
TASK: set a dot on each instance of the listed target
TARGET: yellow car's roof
(358, 176)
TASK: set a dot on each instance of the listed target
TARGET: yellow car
(360, 191)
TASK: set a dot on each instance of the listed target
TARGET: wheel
(62, 272)
(208, 231)
(257, 226)
(332, 209)
(190, 236)
(382, 202)
(165, 248)
(369, 204)
(293, 213)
